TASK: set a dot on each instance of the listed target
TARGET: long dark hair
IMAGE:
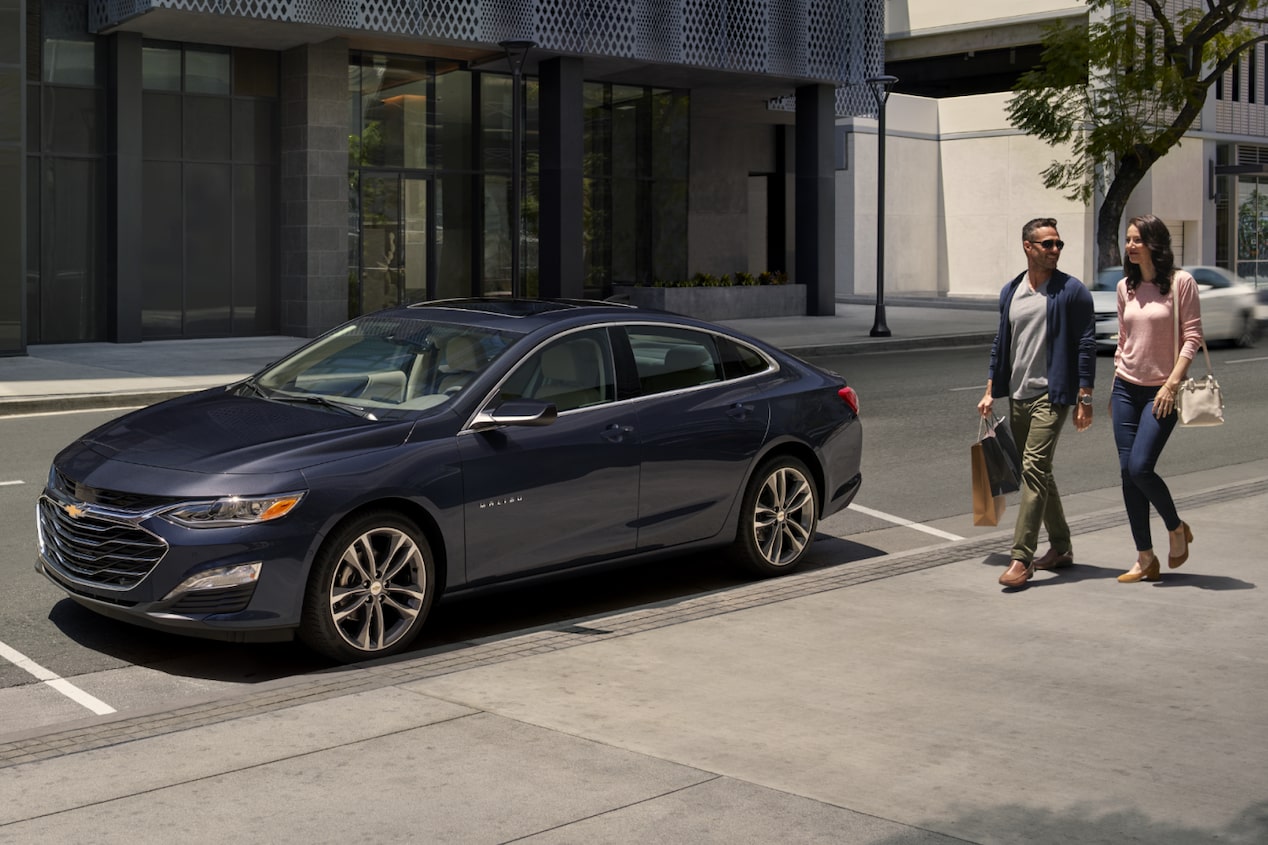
(1157, 239)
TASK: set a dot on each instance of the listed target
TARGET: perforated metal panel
(839, 41)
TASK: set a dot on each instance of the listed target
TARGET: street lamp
(880, 86)
(516, 54)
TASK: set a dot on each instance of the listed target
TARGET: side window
(670, 358)
(739, 360)
(572, 372)
(1206, 279)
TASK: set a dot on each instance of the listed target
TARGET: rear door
(702, 419)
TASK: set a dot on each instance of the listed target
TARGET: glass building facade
(156, 187)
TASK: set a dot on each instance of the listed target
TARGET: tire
(1249, 334)
(372, 585)
(778, 517)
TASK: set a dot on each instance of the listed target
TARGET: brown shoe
(1052, 559)
(1174, 561)
(1141, 573)
(1018, 573)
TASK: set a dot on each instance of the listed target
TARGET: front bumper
(222, 614)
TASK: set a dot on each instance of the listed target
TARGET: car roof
(520, 316)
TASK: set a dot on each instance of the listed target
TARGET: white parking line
(62, 685)
(898, 520)
(1246, 361)
(10, 483)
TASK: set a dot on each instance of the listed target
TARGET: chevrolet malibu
(440, 447)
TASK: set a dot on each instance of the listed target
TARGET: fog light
(218, 579)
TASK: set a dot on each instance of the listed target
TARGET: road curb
(87, 401)
(891, 344)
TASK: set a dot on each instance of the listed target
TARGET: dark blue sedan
(441, 447)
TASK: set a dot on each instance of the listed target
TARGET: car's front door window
(572, 372)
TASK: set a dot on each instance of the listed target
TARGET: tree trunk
(1128, 176)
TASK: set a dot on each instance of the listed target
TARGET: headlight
(233, 510)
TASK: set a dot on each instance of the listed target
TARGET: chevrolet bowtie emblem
(74, 511)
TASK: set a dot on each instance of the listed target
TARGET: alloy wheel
(378, 590)
(784, 516)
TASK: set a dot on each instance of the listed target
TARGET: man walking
(1044, 360)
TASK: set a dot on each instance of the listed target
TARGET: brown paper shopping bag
(987, 508)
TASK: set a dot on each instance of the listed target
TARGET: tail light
(850, 398)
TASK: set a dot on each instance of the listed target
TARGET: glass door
(394, 240)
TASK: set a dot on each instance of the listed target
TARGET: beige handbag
(1199, 402)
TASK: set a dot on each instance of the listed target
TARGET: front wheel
(371, 588)
(778, 517)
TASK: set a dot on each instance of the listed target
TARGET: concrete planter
(734, 302)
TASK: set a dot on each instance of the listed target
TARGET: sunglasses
(1050, 243)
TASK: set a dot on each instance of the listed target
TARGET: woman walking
(1147, 376)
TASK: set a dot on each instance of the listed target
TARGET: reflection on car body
(440, 447)
(1228, 306)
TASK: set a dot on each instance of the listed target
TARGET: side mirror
(526, 412)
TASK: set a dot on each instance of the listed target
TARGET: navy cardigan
(1071, 340)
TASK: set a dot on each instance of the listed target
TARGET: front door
(563, 494)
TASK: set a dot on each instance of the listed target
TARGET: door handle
(617, 433)
(739, 411)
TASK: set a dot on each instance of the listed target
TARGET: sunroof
(508, 307)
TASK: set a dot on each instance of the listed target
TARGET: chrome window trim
(772, 367)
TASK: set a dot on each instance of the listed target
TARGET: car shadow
(454, 621)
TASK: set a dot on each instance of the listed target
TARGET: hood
(217, 433)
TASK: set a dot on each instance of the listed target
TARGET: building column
(314, 188)
(13, 185)
(562, 136)
(815, 198)
(123, 190)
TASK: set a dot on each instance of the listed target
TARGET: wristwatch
(1085, 398)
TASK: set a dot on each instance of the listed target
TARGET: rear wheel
(778, 517)
(371, 588)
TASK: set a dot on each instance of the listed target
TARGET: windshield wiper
(314, 399)
(254, 387)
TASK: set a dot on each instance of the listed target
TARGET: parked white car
(1228, 306)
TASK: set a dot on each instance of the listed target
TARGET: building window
(208, 191)
(1252, 67)
(635, 188)
(66, 220)
(430, 194)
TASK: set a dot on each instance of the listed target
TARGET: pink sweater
(1146, 329)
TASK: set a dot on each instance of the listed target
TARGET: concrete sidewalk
(896, 699)
(903, 699)
(102, 375)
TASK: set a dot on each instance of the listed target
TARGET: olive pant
(1036, 425)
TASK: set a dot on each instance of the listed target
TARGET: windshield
(380, 364)
(1107, 279)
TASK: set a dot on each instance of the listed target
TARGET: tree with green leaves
(1123, 87)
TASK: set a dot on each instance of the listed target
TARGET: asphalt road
(919, 417)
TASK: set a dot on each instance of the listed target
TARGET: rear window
(670, 358)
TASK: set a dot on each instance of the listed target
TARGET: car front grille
(94, 547)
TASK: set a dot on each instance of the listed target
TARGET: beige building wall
(960, 184)
(913, 16)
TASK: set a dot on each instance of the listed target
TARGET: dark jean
(1140, 437)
